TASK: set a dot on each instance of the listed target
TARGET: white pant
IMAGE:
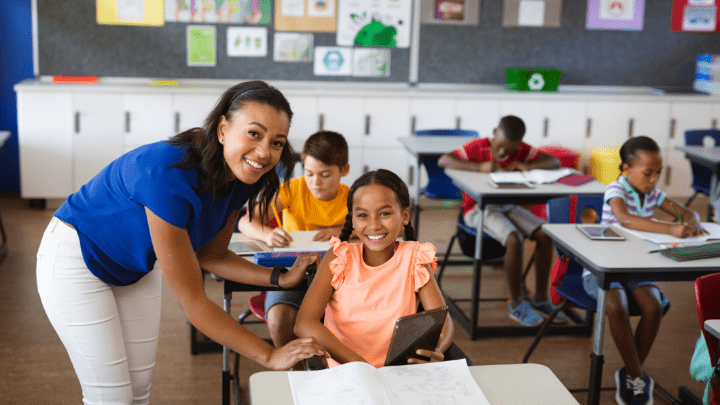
(110, 332)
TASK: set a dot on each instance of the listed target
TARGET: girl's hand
(681, 230)
(297, 350)
(278, 238)
(326, 234)
(296, 274)
(435, 356)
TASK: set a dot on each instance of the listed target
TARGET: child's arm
(619, 209)
(256, 228)
(312, 310)
(431, 297)
(689, 217)
(544, 161)
(450, 161)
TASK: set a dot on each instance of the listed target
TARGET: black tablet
(413, 332)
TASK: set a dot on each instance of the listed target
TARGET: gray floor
(36, 369)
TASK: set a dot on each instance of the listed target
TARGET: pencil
(277, 217)
(676, 213)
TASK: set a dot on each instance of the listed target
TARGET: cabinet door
(148, 119)
(304, 121)
(393, 159)
(45, 143)
(99, 131)
(531, 112)
(478, 115)
(344, 115)
(564, 124)
(387, 119)
(432, 114)
(687, 116)
(191, 110)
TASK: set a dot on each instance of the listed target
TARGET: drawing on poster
(374, 23)
(247, 41)
(371, 62)
(453, 10)
(699, 19)
(293, 47)
(333, 61)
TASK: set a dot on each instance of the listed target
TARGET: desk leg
(226, 377)
(597, 358)
(416, 213)
(477, 268)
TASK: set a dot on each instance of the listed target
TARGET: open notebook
(535, 176)
(665, 239)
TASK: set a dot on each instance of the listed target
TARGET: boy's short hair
(328, 147)
(513, 128)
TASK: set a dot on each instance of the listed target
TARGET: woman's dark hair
(629, 150)
(384, 178)
(328, 147)
(206, 151)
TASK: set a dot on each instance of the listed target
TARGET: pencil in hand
(277, 217)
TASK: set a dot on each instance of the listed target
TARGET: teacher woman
(166, 209)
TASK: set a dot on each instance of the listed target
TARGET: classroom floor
(36, 369)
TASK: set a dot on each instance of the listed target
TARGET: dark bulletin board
(70, 42)
(654, 56)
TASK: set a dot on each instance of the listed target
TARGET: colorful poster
(374, 23)
(625, 15)
(247, 41)
(292, 47)
(695, 15)
(201, 45)
(333, 61)
(450, 12)
(219, 11)
(130, 12)
(532, 13)
(371, 62)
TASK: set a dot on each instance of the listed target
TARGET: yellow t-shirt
(303, 212)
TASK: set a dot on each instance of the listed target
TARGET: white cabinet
(148, 119)
(480, 115)
(432, 113)
(45, 130)
(98, 134)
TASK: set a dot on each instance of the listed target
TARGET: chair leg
(544, 329)
(445, 259)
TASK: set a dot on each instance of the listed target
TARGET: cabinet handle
(367, 125)
(458, 122)
(177, 122)
(412, 124)
(714, 123)
(411, 175)
(366, 169)
(588, 128)
(546, 125)
(321, 123)
(127, 121)
(631, 127)
(77, 122)
(668, 172)
(673, 124)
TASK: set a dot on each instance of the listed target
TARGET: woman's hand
(297, 272)
(297, 350)
(326, 234)
(435, 356)
(278, 238)
(681, 230)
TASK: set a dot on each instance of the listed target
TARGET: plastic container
(568, 158)
(605, 164)
(532, 79)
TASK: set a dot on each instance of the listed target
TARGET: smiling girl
(166, 209)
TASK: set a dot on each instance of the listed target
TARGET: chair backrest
(701, 175)
(439, 184)
(447, 132)
(707, 293)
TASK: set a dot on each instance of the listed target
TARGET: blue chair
(439, 184)
(701, 175)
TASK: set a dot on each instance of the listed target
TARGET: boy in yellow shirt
(315, 201)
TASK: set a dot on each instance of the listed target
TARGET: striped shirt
(621, 188)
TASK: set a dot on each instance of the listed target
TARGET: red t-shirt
(479, 150)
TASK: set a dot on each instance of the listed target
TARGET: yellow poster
(130, 12)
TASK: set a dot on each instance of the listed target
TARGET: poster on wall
(306, 15)
(219, 11)
(130, 12)
(374, 23)
(201, 45)
(625, 15)
(532, 13)
(695, 16)
(333, 61)
(451, 12)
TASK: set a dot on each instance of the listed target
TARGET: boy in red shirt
(508, 223)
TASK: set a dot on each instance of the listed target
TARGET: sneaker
(643, 389)
(546, 308)
(524, 314)
(623, 392)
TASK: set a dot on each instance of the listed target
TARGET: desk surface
(503, 384)
(713, 326)
(433, 145)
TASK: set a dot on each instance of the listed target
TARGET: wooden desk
(477, 186)
(713, 326)
(619, 261)
(710, 158)
(510, 384)
(428, 147)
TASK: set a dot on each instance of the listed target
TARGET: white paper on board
(247, 41)
(333, 61)
(531, 13)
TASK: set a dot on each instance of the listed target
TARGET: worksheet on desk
(303, 242)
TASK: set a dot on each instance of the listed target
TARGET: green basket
(532, 79)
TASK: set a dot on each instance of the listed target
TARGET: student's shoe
(546, 308)
(643, 390)
(623, 393)
(524, 314)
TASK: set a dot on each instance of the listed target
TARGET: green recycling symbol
(333, 60)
